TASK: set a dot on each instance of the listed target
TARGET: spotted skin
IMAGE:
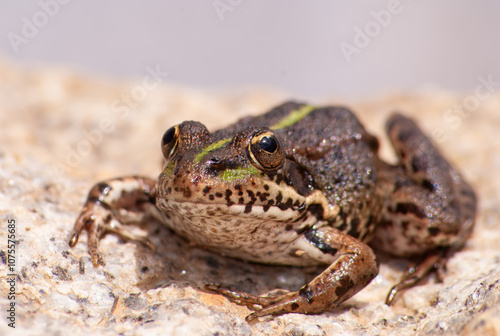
(297, 186)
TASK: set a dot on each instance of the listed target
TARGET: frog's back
(270, 119)
(332, 149)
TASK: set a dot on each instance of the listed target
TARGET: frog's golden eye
(169, 141)
(266, 151)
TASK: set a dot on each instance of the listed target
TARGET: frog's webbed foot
(108, 205)
(245, 299)
(353, 266)
(274, 303)
(435, 262)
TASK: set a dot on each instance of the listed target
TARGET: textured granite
(51, 153)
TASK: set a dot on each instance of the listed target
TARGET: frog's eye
(266, 151)
(169, 141)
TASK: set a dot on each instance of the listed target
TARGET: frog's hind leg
(353, 266)
(430, 209)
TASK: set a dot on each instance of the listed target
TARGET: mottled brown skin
(297, 186)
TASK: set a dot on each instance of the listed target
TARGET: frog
(299, 186)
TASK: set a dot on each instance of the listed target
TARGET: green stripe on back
(210, 148)
(293, 117)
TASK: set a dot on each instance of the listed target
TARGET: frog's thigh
(429, 205)
(354, 266)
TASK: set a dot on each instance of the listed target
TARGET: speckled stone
(54, 147)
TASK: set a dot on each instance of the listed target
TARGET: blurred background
(311, 49)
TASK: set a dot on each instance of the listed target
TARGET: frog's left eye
(266, 151)
(169, 141)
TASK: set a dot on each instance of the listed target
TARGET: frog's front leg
(110, 204)
(353, 266)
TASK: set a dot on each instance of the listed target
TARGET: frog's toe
(243, 298)
(95, 256)
(292, 302)
(97, 259)
(280, 308)
(95, 221)
(435, 262)
(237, 297)
(275, 303)
(125, 233)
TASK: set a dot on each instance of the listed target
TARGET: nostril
(219, 163)
(215, 164)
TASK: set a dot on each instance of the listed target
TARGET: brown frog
(299, 186)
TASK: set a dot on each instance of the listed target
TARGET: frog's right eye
(169, 141)
(266, 151)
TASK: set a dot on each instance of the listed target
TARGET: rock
(63, 132)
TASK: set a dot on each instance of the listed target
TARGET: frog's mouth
(264, 200)
(201, 209)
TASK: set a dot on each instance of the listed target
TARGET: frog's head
(246, 174)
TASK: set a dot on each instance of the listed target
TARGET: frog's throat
(289, 120)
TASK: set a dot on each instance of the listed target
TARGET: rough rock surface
(63, 132)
